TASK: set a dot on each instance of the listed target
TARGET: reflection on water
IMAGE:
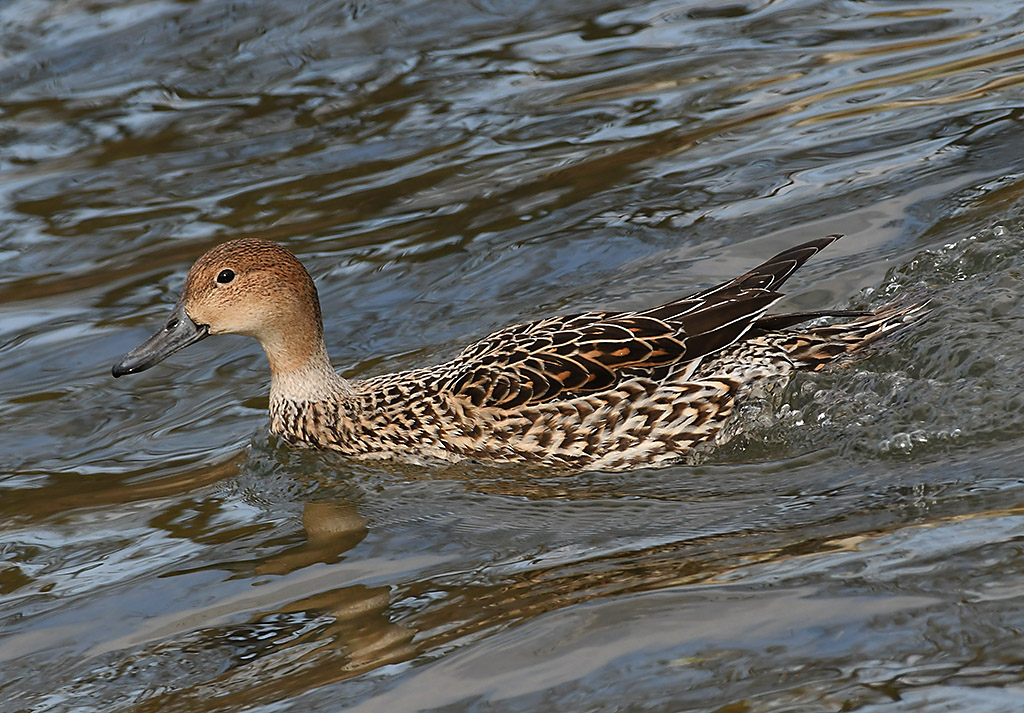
(447, 168)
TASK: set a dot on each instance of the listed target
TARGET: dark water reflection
(446, 168)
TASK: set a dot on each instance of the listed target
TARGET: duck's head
(247, 286)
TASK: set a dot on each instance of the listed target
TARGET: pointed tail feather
(765, 278)
(770, 274)
(820, 345)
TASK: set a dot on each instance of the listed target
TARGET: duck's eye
(225, 276)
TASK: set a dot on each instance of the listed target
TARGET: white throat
(315, 380)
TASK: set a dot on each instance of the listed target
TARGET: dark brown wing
(538, 362)
(562, 357)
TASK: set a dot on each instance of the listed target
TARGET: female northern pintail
(608, 390)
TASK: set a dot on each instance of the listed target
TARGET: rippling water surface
(447, 168)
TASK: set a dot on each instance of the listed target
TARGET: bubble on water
(904, 442)
(898, 443)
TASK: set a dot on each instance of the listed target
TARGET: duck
(598, 390)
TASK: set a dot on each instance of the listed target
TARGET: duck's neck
(312, 379)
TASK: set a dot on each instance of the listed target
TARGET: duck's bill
(177, 333)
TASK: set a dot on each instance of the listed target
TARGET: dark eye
(225, 276)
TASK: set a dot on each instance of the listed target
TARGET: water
(445, 169)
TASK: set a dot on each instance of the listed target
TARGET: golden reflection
(945, 69)
(853, 542)
(989, 87)
(629, 90)
(901, 46)
(72, 491)
(165, 254)
(172, 252)
(996, 198)
(914, 12)
(331, 530)
(332, 633)
(581, 177)
(359, 637)
(308, 642)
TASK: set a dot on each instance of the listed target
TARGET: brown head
(246, 286)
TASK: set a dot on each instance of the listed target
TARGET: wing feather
(565, 357)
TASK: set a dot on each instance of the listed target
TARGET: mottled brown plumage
(610, 390)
